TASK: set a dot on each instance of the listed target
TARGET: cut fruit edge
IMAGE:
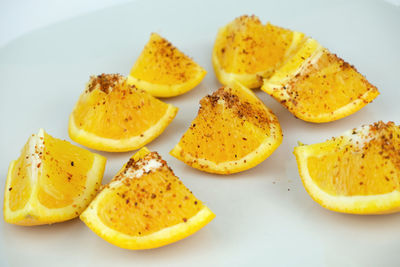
(163, 90)
(267, 147)
(34, 213)
(371, 204)
(253, 80)
(290, 70)
(121, 145)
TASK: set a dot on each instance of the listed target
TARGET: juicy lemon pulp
(113, 116)
(248, 51)
(232, 132)
(52, 181)
(163, 70)
(317, 86)
(145, 206)
(60, 158)
(20, 184)
(361, 166)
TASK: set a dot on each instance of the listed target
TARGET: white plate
(264, 215)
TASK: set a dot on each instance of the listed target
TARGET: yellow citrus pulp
(247, 51)
(145, 206)
(163, 70)
(317, 86)
(51, 181)
(233, 131)
(357, 172)
(111, 115)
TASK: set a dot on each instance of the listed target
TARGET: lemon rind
(94, 141)
(371, 204)
(157, 239)
(163, 90)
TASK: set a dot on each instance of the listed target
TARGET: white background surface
(264, 215)
(18, 17)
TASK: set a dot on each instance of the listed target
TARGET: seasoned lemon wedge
(357, 172)
(233, 131)
(145, 206)
(52, 181)
(318, 86)
(247, 51)
(113, 116)
(163, 70)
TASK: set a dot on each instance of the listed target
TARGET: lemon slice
(52, 181)
(111, 115)
(145, 206)
(233, 131)
(357, 172)
(317, 86)
(247, 51)
(163, 70)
